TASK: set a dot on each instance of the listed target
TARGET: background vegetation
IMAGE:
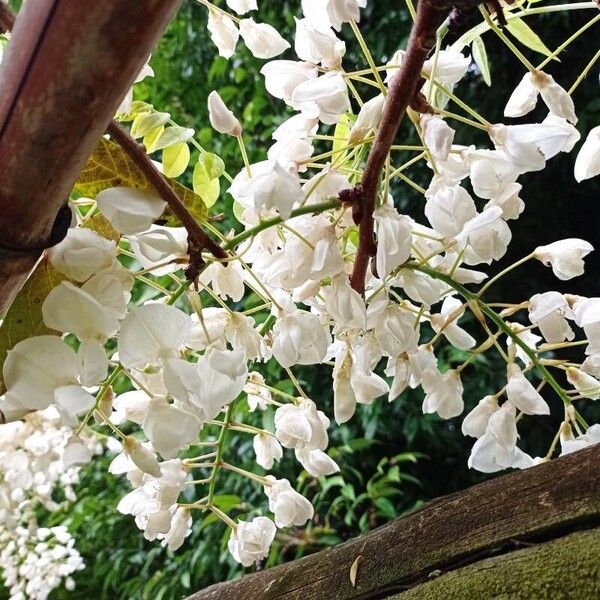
(392, 457)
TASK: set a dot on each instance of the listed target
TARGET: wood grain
(542, 503)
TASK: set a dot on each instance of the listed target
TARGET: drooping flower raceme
(178, 369)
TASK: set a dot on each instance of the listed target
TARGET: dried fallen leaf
(354, 570)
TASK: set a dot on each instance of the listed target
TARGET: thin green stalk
(219, 456)
(368, 56)
(499, 322)
(304, 210)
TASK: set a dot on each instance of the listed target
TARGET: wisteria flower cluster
(191, 354)
(39, 462)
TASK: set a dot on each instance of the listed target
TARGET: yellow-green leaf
(24, 317)
(176, 159)
(148, 121)
(481, 59)
(206, 177)
(173, 135)
(109, 166)
(341, 133)
(101, 225)
(213, 164)
(151, 138)
(524, 34)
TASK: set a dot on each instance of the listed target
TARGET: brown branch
(63, 75)
(198, 239)
(402, 90)
(7, 18)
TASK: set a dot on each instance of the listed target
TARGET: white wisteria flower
(301, 426)
(263, 40)
(565, 257)
(250, 542)
(267, 450)
(130, 210)
(521, 393)
(287, 505)
(223, 33)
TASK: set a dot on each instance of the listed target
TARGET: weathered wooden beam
(565, 568)
(539, 504)
(67, 68)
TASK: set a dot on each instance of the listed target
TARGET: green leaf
(109, 166)
(173, 135)
(206, 175)
(24, 317)
(151, 139)
(481, 59)
(175, 159)
(146, 122)
(214, 165)
(529, 38)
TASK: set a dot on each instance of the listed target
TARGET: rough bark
(66, 70)
(545, 502)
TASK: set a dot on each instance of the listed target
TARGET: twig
(7, 18)
(198, 239)
(403, 90)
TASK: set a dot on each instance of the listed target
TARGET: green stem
(568, 41)
(584, 73)
(219, 456)
(473, 298)
(367, 54)
(304, 210)
(503, 273)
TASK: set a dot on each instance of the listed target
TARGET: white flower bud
(221, 118)
(223, 33)
(143, 458)
(522, 394)
(316, 462)
(437, 135)
(368, 118)
(475, 423)
(585, 384)
(76, 452)
(267, 450)
(587, 163)
(241, 7)
(181, 527)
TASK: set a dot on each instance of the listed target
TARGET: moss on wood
(567, 568)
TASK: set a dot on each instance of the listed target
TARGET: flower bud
(368, 118)
(143, 458)
(221, 118)
(588, 160)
